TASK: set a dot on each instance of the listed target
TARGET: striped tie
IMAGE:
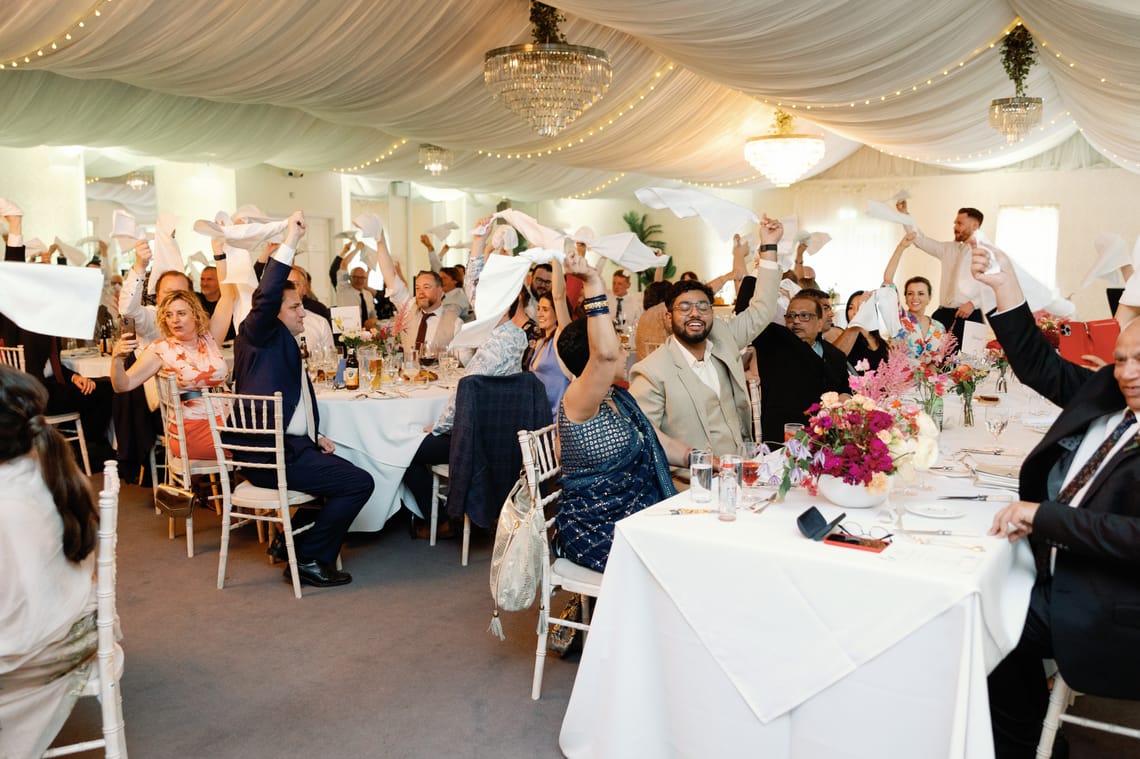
(1089, 469)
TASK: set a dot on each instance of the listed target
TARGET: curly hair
(201, 318)
(23, 429)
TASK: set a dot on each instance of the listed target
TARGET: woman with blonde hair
(188, 349)
(48, 525)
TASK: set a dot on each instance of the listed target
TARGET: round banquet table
(380, 434)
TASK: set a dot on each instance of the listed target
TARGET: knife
(940, 532)
(978, 497)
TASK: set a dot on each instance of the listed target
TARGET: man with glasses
(796, 365)
(541, 283)
(693, 389)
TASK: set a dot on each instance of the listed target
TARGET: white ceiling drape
(333, 84)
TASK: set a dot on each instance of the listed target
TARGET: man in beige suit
(693, 389)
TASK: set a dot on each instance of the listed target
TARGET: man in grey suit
(693, 389)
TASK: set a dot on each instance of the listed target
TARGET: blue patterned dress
(612, 466)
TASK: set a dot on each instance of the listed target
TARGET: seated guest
(318, 329)
(352, 285)
(188, 349)
(858, 343)
(552, 316)
(452, 282)
(134, 285)
(654, 326)
(625, 309)
(304, 283)
(694, 388)
(210, 293)
(920, 332)
(499, 356)
(796, 366)
(48, 525)
(613, 460)
(426, 320)
(268, 360)
(828, 331)
(1081, 516)
(68, 391)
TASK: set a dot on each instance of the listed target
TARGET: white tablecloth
(745, 639)
(86, 361)
(380, 436)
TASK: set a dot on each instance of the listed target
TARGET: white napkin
(627, 251)
(867, 316)
(815, 241)
(245, 236)
(900, 195)
(8, 208)
(887, 304)
(369, 225)
(33, 248)
(52, 300)
(1131, 295)
(505, 238)
(167, 254)
(786, 247)
(125, 230)
(348, 234)
(498, 287)
(74, 256)
(199, 258)
(1037, 294)
(1112, 253)
(251, 214)
(882, 211)
(441, 231)
(725, 218)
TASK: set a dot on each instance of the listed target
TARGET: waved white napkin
(537, 235)
(1037, 294)
(74, 256)
(52, 300)
(882, 211)
(369, 225)
(125, 230)
(867, 316)
(244, 236)
(723, 216)
(1112, 253)
(167, 254)
(1131, 296)
(498, 287)
(441, 231)
(887, 304)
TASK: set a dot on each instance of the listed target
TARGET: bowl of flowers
(850, 449)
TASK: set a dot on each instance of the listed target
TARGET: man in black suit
(1081, 514)
(267, 359)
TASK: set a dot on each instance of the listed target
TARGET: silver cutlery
(978, 497)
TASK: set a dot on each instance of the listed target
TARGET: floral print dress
(196, 368)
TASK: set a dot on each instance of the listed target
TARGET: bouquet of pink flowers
(858, 442)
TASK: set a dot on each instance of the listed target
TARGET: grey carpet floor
(397, 664)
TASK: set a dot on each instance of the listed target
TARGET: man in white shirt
(427, 322)
(959, 293)
(130, 297)
(625, 307)
(352, 287)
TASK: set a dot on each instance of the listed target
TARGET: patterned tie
(619, 317)
(421, 333)
(1089, 469)
(363, 310)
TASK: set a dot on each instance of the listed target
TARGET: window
(1028, 234)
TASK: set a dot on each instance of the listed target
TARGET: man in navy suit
(1081, 515)
(267, 359)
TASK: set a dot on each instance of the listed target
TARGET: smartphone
(873, 545)
(128, 331)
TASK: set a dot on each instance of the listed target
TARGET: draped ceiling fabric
(332, 84)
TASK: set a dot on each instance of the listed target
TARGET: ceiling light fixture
(435, 159)
(136, 180)
(549, 82)
(783, 156)
(1015, 116)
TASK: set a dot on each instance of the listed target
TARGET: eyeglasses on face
(685, 307)
(799, 316)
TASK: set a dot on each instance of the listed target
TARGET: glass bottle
(351, 371)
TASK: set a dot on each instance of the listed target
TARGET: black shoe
(319, 574)
(277, 549)
(445, 530)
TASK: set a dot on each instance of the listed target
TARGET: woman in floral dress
(919, 332)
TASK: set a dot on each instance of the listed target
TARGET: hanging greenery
(546, 19)
(1018, 54)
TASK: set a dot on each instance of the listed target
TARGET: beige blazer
(675, 400)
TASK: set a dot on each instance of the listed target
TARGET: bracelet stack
(596, 305)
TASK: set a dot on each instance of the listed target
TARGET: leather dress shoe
(277, 549)
(445, 530)
(319, 574)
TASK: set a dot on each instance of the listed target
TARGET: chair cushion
(250, 496)
(575, 578)
(197, 466)
(440, 470)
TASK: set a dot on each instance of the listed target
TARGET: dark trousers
(950, 320)
(1019, 692)
(344, 486)
(94, 411)
(434, 449)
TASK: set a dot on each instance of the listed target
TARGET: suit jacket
(670, 394)
(1095, 605)
(267, 358)
(793, 377)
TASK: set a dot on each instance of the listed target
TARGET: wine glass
(997, 419)
(429, 356)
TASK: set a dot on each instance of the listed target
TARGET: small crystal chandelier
(784, 156)
(435, 159)
(549, 83)
(1015, 116)
(136, 180)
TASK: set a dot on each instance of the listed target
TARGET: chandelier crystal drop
(435, 159)
(1015, 116)
(784, 156)
(549, 83)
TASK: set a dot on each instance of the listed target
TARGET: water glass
(411, 365)
(731, 466)
(791, 429)
(700, 476)
(448, 364)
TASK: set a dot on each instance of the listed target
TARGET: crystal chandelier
(1015, 116)
(136, 180)
(435, 159)
(549, 83)
(784, 156)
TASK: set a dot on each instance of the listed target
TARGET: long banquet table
(743, 638)
(380, 435)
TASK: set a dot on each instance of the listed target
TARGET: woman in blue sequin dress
(613, 460)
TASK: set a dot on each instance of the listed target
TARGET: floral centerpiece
(996, 358)
(353, 339)
(858, 442)
(965, 378)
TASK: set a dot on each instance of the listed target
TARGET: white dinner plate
(935, 510)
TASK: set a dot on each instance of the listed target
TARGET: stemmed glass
(997, 420)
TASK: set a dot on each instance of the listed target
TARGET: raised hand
(427, 242)
(577, 265)
(900, 206)
(142, 254)
(771, 230)
(295, 229)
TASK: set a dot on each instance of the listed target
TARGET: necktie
(307, 402)
(1089, 469)
(56, 365)
(618, 317)
(421, 333)
(363, 309)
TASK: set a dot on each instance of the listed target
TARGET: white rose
(925, 453)
(926, 426)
